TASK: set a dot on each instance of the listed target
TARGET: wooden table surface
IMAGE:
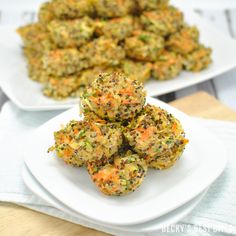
(16, 220)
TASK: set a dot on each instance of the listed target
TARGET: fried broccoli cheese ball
(81, 141)
(163, 21)
(144, 46)
(71, 85)
(137, 23)
(66, 145)
(62, 62)
(123, 176)
(45, 14)
(103, 52)
(113, 8)
(35, 70)
(149, 5)
(34, 65)
(91, 117)
(114, 97)
(198, 60)
(71, 33)
(61, 87)
(168, 65)
(71, 9)
(117, 28)
(35, 37)
(140, 71)
(157, 136)
(184, 41)
(89, 75)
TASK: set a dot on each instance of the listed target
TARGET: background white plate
(27, 94)
(161, 192)
(150, 226)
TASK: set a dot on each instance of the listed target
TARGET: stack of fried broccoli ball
(119, 136)
(74, 40)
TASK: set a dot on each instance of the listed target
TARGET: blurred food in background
(75, 40)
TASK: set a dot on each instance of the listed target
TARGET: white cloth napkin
(216, 212)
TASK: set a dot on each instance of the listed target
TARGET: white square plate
(161, 192)
(27, 94)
